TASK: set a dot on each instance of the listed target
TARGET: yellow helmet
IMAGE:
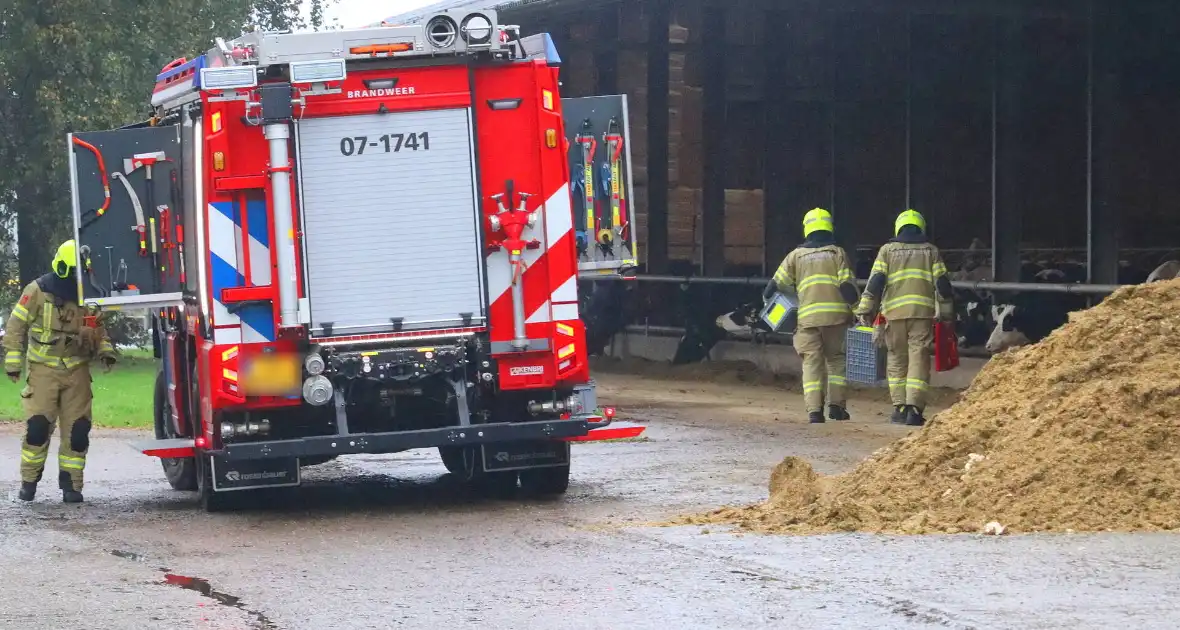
(66, 259)
(816, 220)
(909, 217)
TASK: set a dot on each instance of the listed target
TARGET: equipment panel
(127, 207)
(599, 136)
(392, 236)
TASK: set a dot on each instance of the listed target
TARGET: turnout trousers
(57, 397)
(822, 349)
(910, 343)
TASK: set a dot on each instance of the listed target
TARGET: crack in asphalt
(259, 621)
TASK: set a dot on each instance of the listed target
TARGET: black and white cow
(1167, 271)
(703, 309)
(606, 308)
(743, 322)
(976, 312)
(973, 307)
(1027, 318)
(972, 322)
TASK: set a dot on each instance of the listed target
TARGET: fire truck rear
(356, 241)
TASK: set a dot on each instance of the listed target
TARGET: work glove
(14, 377)
(108, 364)
(946, 311)
(865, 311)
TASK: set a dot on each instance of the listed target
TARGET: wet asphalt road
(392, 542)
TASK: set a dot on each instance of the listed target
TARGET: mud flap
(523, 455)
(253, 474)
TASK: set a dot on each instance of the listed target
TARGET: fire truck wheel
(545, 482)
(452, 458)
(499, 485)
(464, 462)
(181, 472)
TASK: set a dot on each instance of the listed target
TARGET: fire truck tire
(452, 458)
(466, 465)
(181, 472)
(499, 485)
(545, 482)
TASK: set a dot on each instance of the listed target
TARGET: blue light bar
(540, 46)
(195, 64)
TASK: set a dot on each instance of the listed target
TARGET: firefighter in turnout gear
(819, 273)
(59, 338)
(908, 282)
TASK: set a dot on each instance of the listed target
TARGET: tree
(83, 65)
(279, 15)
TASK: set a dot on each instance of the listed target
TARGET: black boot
(836, 412)
(28, 490)
(898, 416)
(68, 493)
(913, 417)
(815, 417)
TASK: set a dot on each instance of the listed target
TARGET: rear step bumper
(565, 430)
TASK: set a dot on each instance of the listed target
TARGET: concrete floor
(393, 542)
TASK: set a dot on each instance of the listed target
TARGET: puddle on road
(204, 588)
(225, 599)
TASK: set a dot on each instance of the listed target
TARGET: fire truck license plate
(271, 375)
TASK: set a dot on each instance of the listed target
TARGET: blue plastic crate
(866, 361)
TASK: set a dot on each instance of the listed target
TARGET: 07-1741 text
(389, 143)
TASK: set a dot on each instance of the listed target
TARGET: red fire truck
(354, 241)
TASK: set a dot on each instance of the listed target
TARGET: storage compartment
(127, 205)
(390, 222)
(599, 135)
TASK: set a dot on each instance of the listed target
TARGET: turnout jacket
(49, 327)
(819, 273)
(907, 279)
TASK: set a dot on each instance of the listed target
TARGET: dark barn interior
(1037, 128)
(1051, 119)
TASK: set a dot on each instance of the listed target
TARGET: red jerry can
(946, 347)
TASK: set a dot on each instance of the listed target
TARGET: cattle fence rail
(982, 285)
(644, 327)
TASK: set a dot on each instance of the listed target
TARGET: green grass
(122, 399)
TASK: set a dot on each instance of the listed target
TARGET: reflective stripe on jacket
(815, 274)
(911, 271)
(49, 331)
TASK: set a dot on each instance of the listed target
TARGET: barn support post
(1102, 247)
(713, 143)
(845, 234)
(659, 21)
(561, 40)
(776, 211)
(1007, 82)
(909, 110)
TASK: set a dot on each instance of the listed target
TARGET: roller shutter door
(389, 215)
